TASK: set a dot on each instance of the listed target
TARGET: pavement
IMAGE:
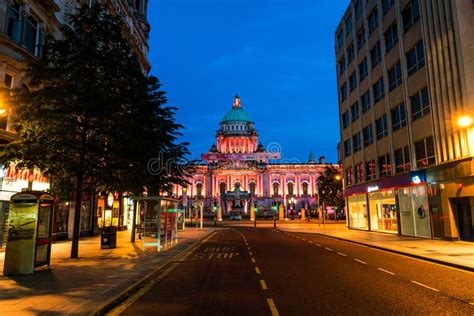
(82, 286)
(458, 254)
(262, 271)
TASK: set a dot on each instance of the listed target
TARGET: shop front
(63, 220)
(397, 205)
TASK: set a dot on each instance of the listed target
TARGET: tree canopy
(330, 187)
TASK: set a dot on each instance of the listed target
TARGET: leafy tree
(330, 187)
(93, 120)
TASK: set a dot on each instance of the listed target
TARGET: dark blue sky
(278, 55)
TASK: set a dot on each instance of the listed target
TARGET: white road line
(263, 285)
(386, 271)
(272, 306)
(318, 245)
(311, 242)
(257, 270)
(425, 286)
(360, 261)
(328, 248)
(253, 260)
(250, 253)
(471, 304)
(342, 254)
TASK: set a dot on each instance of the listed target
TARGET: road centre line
(257, 270)
(329, 249)
(342, 254)
(425, 286)
(386, 271)
(272, 306)
(253, 260)
(264, 285)
(250, 253)
(318, 245)
(311, 242)
(360, 261)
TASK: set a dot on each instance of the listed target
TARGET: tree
(330, 187)
(91, 119)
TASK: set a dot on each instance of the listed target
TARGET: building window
(353, 81)
(365, 101)
(345, 119)
(399, 117)
(363, 70)
(347, 148)
(381, 127)
(424, 151)
(368, 135)
(342, 65)
(348, 25)
(340, 39)
(14, 23)
(359, 173)
(305, 187)
(199, 190)
(395, 76)
(391, 37)
(402, 160)
(415, 58)
(31, 36)
(411, 14)
(385, 168)
(420, 104)
(276, 188)
(291, 187)
(8, 81)
(252, 187)
(370, 170)
(358, 8)
(344, 91)
(386, 5)
(349, 175)
(356, 142)
(350, 53)
(354, 111)
(360, 38)
(373, 20)
(379, 90)
(375, 55)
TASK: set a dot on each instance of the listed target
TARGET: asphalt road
(247, 271)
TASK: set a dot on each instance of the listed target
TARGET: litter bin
(108, 238)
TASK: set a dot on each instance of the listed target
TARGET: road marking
(253, 260)
(328, 248)
(386, 271)
(257, 270)
(311, 242)
(342, 254)
(250, 253)
(318, 245)
(471, 304)
(272, 306)
(360, 261)
(426, 286)
(263, 284)
(248, 248)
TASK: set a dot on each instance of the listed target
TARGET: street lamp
(464, 121)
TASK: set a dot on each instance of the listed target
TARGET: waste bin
(108, 238)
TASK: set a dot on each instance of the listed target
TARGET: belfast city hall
(239, 175)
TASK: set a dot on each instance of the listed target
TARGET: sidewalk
(458, 254)
(81, 286)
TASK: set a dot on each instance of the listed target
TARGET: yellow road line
(272, 306)
(257, 270)
(263, 284)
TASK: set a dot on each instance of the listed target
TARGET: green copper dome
(237, 115)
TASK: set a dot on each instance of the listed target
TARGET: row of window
(420, 106)
(415, 59)
(410, 15)
(424, 153)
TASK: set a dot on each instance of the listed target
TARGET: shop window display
(358, 216)
(414, 211)
(383, 211)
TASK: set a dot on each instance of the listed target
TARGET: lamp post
(292, 201)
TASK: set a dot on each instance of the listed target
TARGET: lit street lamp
(465, 121)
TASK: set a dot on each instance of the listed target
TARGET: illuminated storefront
(397, 205)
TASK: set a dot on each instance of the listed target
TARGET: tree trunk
(77, 220)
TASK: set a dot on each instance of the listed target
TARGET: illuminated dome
(237, 114)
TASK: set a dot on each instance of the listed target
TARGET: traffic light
(215, 206)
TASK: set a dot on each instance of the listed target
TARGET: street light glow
(465, 121)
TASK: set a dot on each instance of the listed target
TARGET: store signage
(373, 188)
(416, 180)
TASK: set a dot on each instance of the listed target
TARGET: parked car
(235, 216)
